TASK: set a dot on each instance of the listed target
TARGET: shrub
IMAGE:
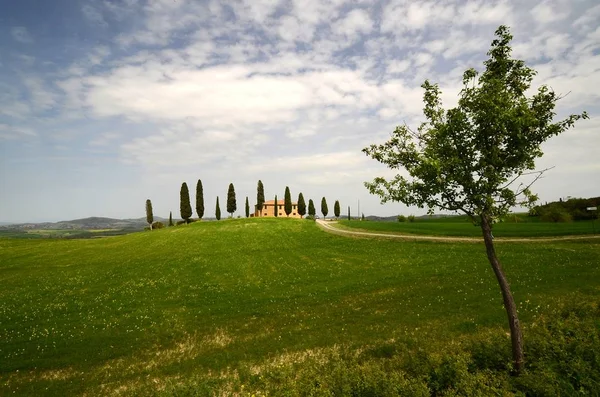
(401, 218)
(555, 213)
(158, 225)
(310, 217)
(411, 218)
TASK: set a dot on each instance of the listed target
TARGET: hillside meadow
(280, 307)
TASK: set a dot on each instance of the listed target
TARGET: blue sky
(106, 103)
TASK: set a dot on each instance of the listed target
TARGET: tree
(287, 202)
(324, 209)
(336, 209)
(471, 158)
(170, 218)
(247, 208)
(218, 210)
(260, 196)
(349, 218)
(199, 199)
(301, 205)
(231, 202)
(276, 207)
(184, 203)
(149, 214)
(311, 208)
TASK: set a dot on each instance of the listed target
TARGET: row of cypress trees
(185, 207)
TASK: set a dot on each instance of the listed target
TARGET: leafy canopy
(471, 157)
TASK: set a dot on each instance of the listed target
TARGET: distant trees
(260, 196)
(287, 202)
(336, 209)
(311, 208)
(170, 218)
(276, 207)
(301, 205)
(231, 202)
(149, 215)
(184, 203)
(247, 208)
(218, 210)
(199, 199)
(324, 209)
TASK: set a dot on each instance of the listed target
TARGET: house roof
(279, 202)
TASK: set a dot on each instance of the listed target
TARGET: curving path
(329, 227)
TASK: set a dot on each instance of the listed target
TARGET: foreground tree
(170, 218)
(276, 207)
(218, 210)
(311, 208)
(260, 196)
(199, 199)
(184, 203)
(324, 209)
(231, 202)
(301, 205)
(247, 208)
(287, 202)
(149, 214)
(479, 157)
(336, 209)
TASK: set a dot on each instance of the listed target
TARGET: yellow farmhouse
(269, 209)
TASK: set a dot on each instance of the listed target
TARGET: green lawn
(460, 226)
(225, 303)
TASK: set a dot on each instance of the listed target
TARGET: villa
(269, 209)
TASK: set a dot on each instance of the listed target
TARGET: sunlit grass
(99, 316)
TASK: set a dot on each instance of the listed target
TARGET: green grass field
(265, 305)
(460, 226)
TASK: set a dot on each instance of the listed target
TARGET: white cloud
(21, 34)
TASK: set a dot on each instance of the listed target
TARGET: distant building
(269, 209)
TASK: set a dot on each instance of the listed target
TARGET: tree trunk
(516, 335)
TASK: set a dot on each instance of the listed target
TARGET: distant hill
(92, 223)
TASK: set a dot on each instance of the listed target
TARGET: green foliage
(276, 208)
(311, 208)
(571, 209)
(199, 199)
(158, 225)
(287, 201)
(362, 217)
(336, 209)
(401, 218)
(218, 210)
(311, 217)
(555, 213)
(247, 207)
(301, 205)
(185, 207)
(324, 209)
(149, 215)
(349, 217)
(231, 201)
(170, 218)
(464, 159)
(411, 218)
(260, 196)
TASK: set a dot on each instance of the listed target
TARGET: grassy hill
(250, 305)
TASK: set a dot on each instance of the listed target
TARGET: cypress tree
(276, 207)
(324, 209)
(287, 202)
(336, 209)
(260, 196)
(170, 218)
(301, 205)
(247, 208)
(184, 203)
(199, 199)
(311, 208)
(349, 213)
(149, 215)
(231, 203)
(218, 211)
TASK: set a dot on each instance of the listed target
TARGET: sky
(106, 103)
